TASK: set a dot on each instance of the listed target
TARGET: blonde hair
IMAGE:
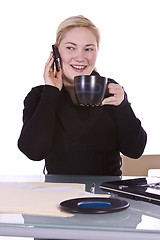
(76, 21)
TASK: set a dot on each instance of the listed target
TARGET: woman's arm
(131, 136)
(38, 117)
(39, 114)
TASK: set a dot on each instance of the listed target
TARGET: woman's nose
(79, 56)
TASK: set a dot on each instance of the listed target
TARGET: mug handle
(107, 94)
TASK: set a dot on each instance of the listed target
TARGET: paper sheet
(39, 198)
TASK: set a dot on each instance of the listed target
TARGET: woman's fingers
(50, 60)
(49, 74)
(118, 95)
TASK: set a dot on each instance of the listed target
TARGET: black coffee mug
(90, 89)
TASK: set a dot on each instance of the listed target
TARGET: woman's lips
(78, 68)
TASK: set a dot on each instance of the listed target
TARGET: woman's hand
(49, 75)
(118, 95)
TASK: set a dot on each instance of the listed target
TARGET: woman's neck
(70, 89)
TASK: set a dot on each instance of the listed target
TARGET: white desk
(140, 221)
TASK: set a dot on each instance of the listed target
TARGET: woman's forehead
(78, 35)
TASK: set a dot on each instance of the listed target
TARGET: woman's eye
(70, 48)
(89, 49)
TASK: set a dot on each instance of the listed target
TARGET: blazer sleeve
(38, 121)
(132, 137)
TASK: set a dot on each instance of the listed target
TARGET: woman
(74, 139)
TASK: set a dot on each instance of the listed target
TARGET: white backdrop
(129, 53)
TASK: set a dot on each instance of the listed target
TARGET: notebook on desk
(144, 189)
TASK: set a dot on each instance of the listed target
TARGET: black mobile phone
(56, 57)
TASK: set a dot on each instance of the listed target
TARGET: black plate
(93, 205)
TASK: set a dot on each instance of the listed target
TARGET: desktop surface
(140, 219)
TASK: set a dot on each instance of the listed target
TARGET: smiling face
(78, 50)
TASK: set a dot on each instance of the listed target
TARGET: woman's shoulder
(38, 90)
(42, 90)
(35, 92)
